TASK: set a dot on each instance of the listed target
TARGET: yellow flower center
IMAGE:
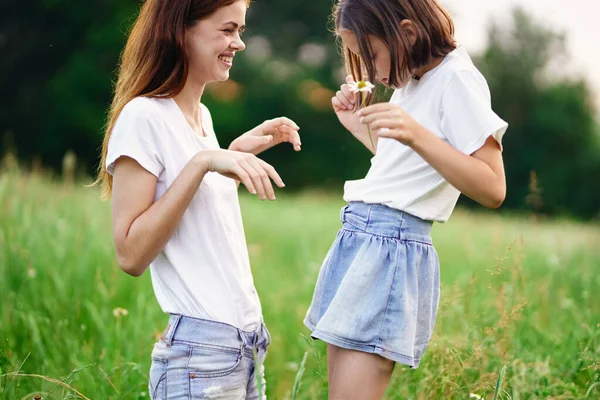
(362, 85)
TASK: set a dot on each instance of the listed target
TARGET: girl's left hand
(390, 121)
(268, 134)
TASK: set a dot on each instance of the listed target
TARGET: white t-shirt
(204, 270)
(452, 101)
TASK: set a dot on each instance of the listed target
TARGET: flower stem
(364, 103)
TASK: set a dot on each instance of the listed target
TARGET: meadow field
(518, 292)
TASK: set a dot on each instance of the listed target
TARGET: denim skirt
(379, 286)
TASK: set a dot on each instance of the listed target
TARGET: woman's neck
(188, 101)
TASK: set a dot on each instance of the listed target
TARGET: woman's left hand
(390, 121)
(268, 134)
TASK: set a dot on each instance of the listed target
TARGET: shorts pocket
(158, 379)
(213, 361)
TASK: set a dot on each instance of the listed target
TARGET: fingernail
(360, 113)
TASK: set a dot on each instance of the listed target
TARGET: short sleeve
(467, 115)
(135, 135)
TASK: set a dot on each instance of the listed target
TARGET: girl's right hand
(253, 172)
(344, 104)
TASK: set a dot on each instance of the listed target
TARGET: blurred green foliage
(59, 60)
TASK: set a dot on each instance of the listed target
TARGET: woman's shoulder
(142, 105)
(149, 110)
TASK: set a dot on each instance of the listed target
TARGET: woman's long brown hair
(154, 62)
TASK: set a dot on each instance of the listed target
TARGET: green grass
(515, 292)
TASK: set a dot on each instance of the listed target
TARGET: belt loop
(402, 224)
(342, 213)
(171, 333)
(369, 209)
(267, 336)
(243, 340)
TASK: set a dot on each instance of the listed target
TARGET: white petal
(368, 87)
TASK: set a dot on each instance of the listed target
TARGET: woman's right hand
(253, 172)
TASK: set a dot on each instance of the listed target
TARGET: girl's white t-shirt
(204, 270)
(453, 101)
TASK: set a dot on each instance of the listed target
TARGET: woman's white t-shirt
(204, 270)
(453, 101)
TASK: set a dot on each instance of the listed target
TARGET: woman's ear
(410, 29)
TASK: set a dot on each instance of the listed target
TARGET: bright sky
(577, 18)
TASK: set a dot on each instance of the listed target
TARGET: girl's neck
(423, 70)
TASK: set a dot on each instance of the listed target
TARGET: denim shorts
(378, 289)
(201, 359)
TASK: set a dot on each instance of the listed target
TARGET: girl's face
(381, 55)
(211, 43)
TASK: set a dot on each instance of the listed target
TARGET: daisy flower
(361, 86)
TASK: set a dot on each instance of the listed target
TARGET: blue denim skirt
(201, 359)
(378, 289)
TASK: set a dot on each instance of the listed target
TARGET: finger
(267, 139)
(387, 133)
(272, 173)
(285, 121)
(255, 177)
(337, 105)
(340, 95)
(349, 79)
(391, 114)
(259, 140)
(379, 107)
(245, 179)
(348, 93)
(297, 142)
(291, 135)
(385, 123)
(264, 177)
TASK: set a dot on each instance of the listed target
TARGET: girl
(175, 205)
(377, 294)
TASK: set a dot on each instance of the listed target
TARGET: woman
(175, 204)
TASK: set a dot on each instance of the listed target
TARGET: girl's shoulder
(456, 77)
(459, 65)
